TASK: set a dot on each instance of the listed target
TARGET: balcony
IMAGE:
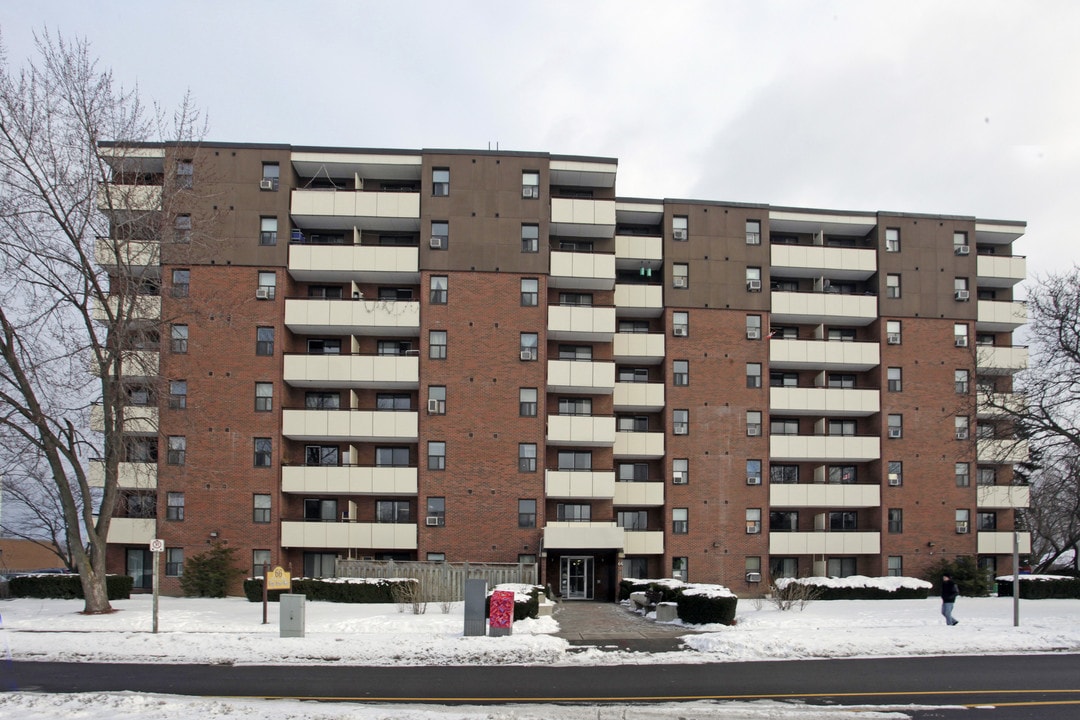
(642, 301)
(1000, 316)
(820, 495)
(127, 255)
(581, 323)
(824, 543)
(589, 271)
(639, 445)
(643, 542)
(581, 430)
(129, 198)
(633, 252)
(583, 536)
(353, 317)
(583, 173)
(639, 348)
(349, 425)
(581, 377)
(823, 355)
(833, 402)
(812, 261)
(130, 475)
(802, 308)
(132, 531)
(135, 364)
(348, 535)
(391, 372)
(570, 485)
(992, 360)
(639, 494)
(576, 217)
(332, 480)
(1001, 271)
(354, 263)
(638, 397)
(1001, 543)
(138, 419)
(336, 209)
(821, 224)
(141, 308)
(1001, 451)
(999, 404)
(824, 448)
(1003, 497)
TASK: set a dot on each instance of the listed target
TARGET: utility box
(475, 607)
(291, 609)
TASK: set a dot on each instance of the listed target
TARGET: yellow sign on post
(279, 579)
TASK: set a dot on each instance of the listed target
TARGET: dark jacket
(948, 591)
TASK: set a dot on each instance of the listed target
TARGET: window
(440, 182)
(530, 238)
(264, 341)
(632, 375)
(530, 184)
(261, 509)
(271, 175)
(680, 471)
(439, 287)
(842, 474)
(960, 334)
(680, 568)
(179, 339)
(182, 229)
(267, 286)
(680, 421)
(320, 346)
(264, 397)
(988, 564)
(633, 326)
(962, 471)
(896, 472)
(783, 379)
(527, 402)
(437, 344)
(680, 324)
(892, 286)
(181, 283)
(314, 400)
(680, 275)
(577, 299)
(185, 174)
(140, 505)
(530, 292)
(783, 521)
(529, 346)
(631, 423)
(436, 455)
(263, 448)
(632, 519)
(961, 381)
(177, 450)
(961, 424)
(753, 232)
(140, 449)
(986, 520)
(174, 506)
(575, 352)
(392, 511)
(268, 231)
(840, 567)
(440, 235)
(840, 334)
(892, 332)
(436, 511)
(753, 567)
(959, 239)
(575, 461)
(896, 426)
(321, 455)
(896, 520)
(680, 521)
(781, 567)
(391, 457)
(177, 394)
(436, 399)
(843, 520)
(681, 373)
(753, 327)
(894, 379)
(753, 472)
(174, 562)
(753, 375)
(895, 566)
(783, 474)
(841, 381)
(392, 401)
(260, 562)
(526, 457)
(753, 423)
(963, 519)
(753, 521)
(680, 228)
(986, 476)
(753, 279)
(784, 426)
(526, 513)
(892, 240)
(573, 512)
(436, 557)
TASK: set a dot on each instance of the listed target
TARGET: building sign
(279, 579)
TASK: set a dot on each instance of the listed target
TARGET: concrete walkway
(608, 626)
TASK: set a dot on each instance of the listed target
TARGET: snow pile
(888, 584)
(522, 591)
(705, 589)
(1009, 578)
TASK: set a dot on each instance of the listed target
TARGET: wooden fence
(441, 581)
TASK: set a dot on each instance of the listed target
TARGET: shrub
(1035, 587)
(970, 579)
(786, 596)
(330, 590)
(700, 609)
(666, 591)
(210, 573)
(66, 587)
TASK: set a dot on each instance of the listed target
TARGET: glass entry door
(576, 577)
(140, 566)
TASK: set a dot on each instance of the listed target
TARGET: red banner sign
(502, 609)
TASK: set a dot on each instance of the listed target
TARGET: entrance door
(576, 577)
(140, 566)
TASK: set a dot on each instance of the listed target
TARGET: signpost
(157, 546)
(276, 579)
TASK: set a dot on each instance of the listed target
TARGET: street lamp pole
(1016, 579)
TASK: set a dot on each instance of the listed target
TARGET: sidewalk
(608, 626)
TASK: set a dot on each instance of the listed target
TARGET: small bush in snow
(788, 595)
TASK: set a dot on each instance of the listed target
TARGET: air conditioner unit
(752, 528)
(961, 434)
(963, 250)
(753, 285)
(892, 338)
(436, 242)
(895, 432)
(753, 430)
(435, 407)
(678, 332)
(679, 282)
(263, 293)
(678, 477)
(753, 479)
(753, 333)
(961, 341)
(679, 233)
(962, 295)
(433, 521)
(753, 577)
(527, 355)
(894, 480)
(266, 184)
(962, 527)
(530, 191)
(344, 513)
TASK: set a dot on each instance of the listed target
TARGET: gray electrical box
(292, 614)
(475, 608)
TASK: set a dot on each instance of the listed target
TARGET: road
(1029, 686)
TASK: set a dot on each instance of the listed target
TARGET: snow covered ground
(195, 630)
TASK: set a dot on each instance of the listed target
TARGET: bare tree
(32, 509)
(1053, 517)
(81, 222)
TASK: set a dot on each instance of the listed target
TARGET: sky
(229, 632)
(960, 108)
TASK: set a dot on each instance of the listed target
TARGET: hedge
(1041, 589)
(66, 586)
(667, 592)
(377, 591)
(824, 592)
(703, 609)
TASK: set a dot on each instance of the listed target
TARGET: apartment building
(453, 355)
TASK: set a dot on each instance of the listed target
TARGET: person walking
(949, 594)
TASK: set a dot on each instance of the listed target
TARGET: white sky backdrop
(965, 107)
